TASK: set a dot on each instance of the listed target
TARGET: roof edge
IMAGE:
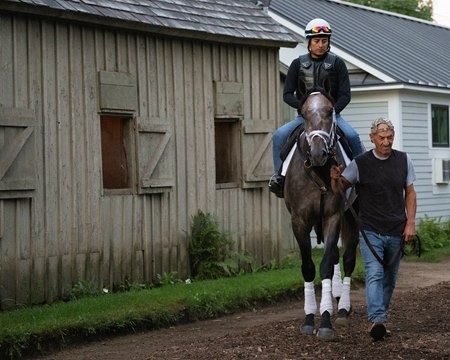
(108, 22)
(402, 86)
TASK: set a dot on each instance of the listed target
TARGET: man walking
(387, 199)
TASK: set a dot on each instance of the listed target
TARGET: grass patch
(34, 329)
(26, 330)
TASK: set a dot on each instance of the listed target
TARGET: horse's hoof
(342, 319)
(342, 322)
(308, 325)
(308, 330)
(325, 334)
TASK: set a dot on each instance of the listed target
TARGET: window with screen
(440, 126)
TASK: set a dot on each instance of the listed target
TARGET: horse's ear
(301, 88)
(327, 86)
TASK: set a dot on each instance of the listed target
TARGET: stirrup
(275, 186)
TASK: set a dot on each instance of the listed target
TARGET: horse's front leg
(330, 258)
(301, 232)
(310, 305)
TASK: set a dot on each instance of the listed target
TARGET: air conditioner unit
(441, 170)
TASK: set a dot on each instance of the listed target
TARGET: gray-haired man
(387, 199)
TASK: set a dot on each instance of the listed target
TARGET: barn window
(117, 147)
(228, 154)
(440, 125)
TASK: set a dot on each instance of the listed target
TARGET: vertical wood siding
(70, 229)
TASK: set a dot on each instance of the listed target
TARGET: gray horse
(312, 204)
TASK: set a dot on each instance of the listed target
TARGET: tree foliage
(421, 9)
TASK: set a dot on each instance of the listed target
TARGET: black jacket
(337, 74)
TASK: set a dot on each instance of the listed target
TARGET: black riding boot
(276, 185)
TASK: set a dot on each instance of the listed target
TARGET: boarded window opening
(440, 126)
(116, 152)
(228, 154)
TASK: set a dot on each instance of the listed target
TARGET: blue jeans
(280, 136)
(380, 280)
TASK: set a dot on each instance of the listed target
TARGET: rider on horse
(313, 69)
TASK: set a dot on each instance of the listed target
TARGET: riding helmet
(317, 27)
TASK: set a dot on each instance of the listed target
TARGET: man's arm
(344, 92)
(411, 207)
(290, 85)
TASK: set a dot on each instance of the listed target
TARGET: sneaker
(377, 331)
(276, 185)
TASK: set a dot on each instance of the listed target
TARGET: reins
(323, 190)
(329, 138)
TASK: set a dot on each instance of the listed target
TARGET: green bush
(84, 289)
(208, 247)
(433, 233)
(211, 252)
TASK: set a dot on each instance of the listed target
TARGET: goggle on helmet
(317, 27)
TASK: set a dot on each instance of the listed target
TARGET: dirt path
(419, 320)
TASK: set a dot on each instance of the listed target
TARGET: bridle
(329, 139)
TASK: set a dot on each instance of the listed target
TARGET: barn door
(257, 164)
(17, 152)
(155, 157)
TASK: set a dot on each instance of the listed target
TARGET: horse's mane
(314, 89)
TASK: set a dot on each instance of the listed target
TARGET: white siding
(360, 115)
(416, 138)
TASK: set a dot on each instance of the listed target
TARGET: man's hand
(335, 171)
(410, 231)
(411, 206)
(338, 183)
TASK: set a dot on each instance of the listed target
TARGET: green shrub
(211, 252)
(133, 286)
(84, 289)
(168, 278)
(433, 233)
(208, 247)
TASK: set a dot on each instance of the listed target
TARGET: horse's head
(320, 126)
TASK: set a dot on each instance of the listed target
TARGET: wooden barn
(119, 121)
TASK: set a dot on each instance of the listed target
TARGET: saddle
(295, 134)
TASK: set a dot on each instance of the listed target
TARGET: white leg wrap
(344, 302)
(310, 299)
(337, 282)
(326, 304)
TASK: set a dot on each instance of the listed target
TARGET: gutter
(402, 86)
